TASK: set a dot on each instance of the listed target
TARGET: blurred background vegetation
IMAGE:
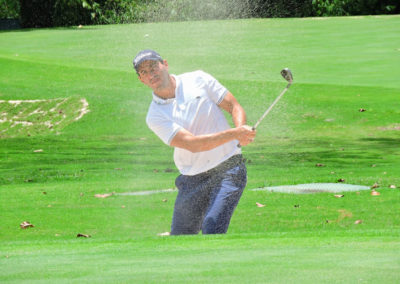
(54, 13)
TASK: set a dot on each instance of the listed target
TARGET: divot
(21, 118)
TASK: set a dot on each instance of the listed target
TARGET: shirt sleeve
(215, 90)
(164, 128)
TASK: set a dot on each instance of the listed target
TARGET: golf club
(287, 74)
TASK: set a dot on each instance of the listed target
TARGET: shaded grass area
(366, 161)
(80, 160)
(312, 124)
(274, 162)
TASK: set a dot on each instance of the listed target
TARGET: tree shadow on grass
(64, 158)
(384, 142)
(362, 152)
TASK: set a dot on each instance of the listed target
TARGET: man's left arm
(232, 106)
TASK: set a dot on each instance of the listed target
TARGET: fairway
(76, 128)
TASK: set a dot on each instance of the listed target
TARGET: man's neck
(168, 92)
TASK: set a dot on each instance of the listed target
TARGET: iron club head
(287, 74)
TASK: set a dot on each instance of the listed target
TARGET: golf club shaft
(271, 106)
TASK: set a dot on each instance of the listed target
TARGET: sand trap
(313, 188)
(394, 127)
(297, 189)
(148, 192)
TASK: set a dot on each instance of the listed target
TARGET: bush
(9, 9)
(70, 12)
(354, 7)
(49, 13)
(372, 7)
(118, 11)
(280, 8)
(36, 13)
(181, 10)
(133, 11)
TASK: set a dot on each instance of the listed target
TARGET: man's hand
(245, 135)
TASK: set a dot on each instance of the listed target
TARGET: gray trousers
(206, 201)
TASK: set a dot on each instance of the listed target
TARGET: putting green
(313, 188)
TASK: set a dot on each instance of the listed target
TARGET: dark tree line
(49, 13)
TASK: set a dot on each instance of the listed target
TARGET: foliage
(181, 10)
(279, 8)
(9, 9)
(116, 11)
(131, 11)
(49, 13)
(184, 10)
(46, 13)
(354, 7)
(70, 12)
(36, 13)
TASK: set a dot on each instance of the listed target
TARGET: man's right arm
(186, 140)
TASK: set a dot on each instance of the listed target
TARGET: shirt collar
(162, 101)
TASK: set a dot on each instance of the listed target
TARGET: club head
(287, 74)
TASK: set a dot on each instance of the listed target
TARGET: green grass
(244, 259)
(340, 65)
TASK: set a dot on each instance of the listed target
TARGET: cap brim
(146, 59)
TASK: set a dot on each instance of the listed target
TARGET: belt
(226, 165)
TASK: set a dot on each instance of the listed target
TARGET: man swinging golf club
(186, 113)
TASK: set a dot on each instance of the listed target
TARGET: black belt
(226, 165)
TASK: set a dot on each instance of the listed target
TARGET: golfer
(186, 113)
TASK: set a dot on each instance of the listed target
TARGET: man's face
(154, 74)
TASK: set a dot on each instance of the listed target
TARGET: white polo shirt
(194, 108)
